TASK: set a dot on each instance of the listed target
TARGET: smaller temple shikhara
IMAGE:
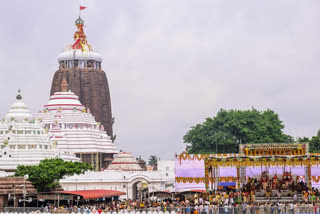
(272, 165)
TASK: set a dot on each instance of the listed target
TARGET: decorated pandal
(24, 141)
(73, 128)
(271, 166)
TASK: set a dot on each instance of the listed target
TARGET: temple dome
(23, 141)
(64, 101)
(19, 111)
(78, 54)
(125, 162)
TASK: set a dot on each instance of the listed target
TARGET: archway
(140, 190)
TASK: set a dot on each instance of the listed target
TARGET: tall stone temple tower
(81, 67)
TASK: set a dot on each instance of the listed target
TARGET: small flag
(82, 7)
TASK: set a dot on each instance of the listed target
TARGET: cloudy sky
(172, 63)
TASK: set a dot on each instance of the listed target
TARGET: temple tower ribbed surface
(80, 66)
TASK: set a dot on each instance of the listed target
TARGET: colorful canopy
(226, 184)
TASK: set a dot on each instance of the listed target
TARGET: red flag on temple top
(82, 7)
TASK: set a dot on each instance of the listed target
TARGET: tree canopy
(46, 175)
(314, 143)
(224, 132)
(153, 160)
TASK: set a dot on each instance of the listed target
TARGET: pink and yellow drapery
(243, 161)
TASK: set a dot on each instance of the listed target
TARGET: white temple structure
(125, 162)
(125, 180)
(23, 140)
(74, 129)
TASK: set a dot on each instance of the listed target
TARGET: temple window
(13, 131)
(2, 146)
(45, 147)
(12, 146)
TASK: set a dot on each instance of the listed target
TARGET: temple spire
(80, 38)
(19, 97)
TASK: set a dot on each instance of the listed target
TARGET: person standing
(268, 207)
(248, 207)
(295, 208)
(226, 209)
(261, 209)
(201, 209)
(291, 207)
(206, 209)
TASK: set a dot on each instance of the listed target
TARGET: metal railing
(21, 209)
(241, 209)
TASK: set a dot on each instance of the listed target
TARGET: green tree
(153, 161)
(314, 143)
(46, 175)
(303, 139)
(228, 128)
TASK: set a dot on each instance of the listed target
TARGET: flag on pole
(82, 7)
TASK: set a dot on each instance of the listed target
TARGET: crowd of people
(185, 208)
(256, 196)
(286, 187)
